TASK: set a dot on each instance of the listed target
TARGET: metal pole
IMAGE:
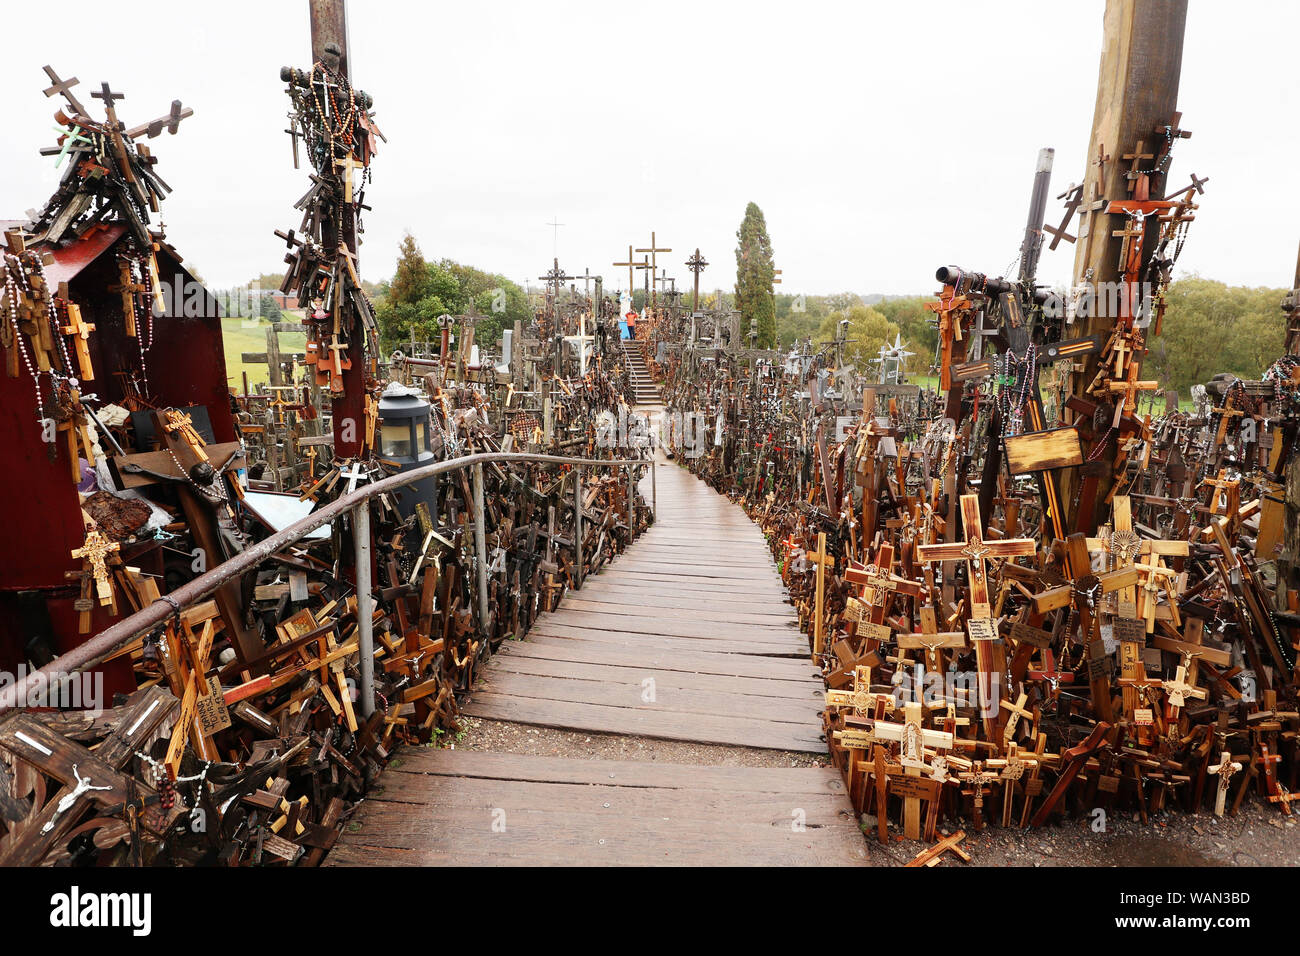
(365, 605)
(631, 506)
(577, 526)
(654, 488)
(480, 547)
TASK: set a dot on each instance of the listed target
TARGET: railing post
(654, 489)
(631, 501)
(365, 605)
(480, 548)
(577, 526)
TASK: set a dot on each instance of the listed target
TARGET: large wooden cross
(654, 264)
(823, 562)
(631, 266)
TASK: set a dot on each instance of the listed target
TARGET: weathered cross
(696, 264)
(654, 263)
(64, 87)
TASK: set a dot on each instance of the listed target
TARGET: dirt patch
(499, 736)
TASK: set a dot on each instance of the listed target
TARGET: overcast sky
(881, 139)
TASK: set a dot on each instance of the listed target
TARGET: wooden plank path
(685, 637)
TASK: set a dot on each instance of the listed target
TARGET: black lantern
(404, 443)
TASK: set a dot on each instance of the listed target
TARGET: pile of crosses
(1030, 605)
(235, 731)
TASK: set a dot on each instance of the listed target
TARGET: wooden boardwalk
(685, 637)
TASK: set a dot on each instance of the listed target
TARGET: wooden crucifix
(1224, 770)
(80, 330)
(977, 552)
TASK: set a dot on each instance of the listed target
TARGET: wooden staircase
(646, 392)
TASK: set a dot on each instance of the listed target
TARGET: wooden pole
(1137, 90)
(329, 28)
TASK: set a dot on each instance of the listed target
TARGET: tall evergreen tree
(411, 280)
(754, 274)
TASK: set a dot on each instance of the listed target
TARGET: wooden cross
(349, 166)
(64, 87)
(975, 551)
(932, 641)
(172, 123)
(96, 550)
(1276, 792)
(1179, 689)
(979, 779)
(1224, 770)
(1075, 194)
(631, 265)
(931, 856)
(108, 96)
(696, 264)
(654, 264)
(80, 330)
(1136, 156)
(823, 562)
(1015, 712)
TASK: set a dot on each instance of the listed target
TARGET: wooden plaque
(1028, 634)
(1043, 451)
(981, 629)
(877, 632)
(923, 788)
(210, 710)
(1130, 629)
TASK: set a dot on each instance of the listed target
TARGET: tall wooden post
(1137, 91)
(329, 29)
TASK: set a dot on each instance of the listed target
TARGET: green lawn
(238, 336)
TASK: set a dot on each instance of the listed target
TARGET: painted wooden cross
(1276, 792)
(580, 343)
(1224, 770)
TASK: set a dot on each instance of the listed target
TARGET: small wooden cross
(1136, 156)
(1015, 712)
(1179, 689)
(108, 96)
(64, 87)
(1224, 770)
(96, 550)
(349, 165)
(80, 330)
(932, 855)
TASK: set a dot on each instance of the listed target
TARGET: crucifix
(654, 264)
(696, 264)
(348, 165)
(96, 550)
(976, 552)
(1224, 770)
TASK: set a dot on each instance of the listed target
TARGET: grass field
(239, 336)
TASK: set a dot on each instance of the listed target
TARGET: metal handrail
(118, 634)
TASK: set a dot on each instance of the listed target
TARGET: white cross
(582, 338)
(353, 473)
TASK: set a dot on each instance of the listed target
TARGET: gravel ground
(1257, 836)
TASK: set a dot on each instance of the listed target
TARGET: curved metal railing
(97, 648)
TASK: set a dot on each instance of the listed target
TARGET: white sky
(881, 139)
